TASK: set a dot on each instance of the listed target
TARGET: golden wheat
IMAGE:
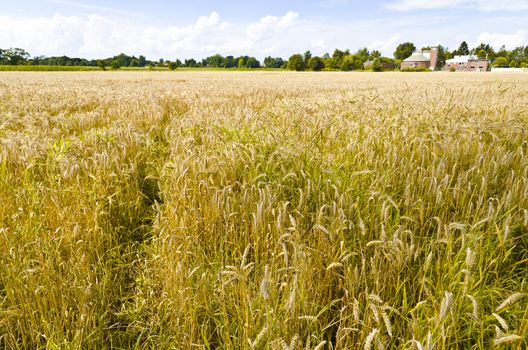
(263, 210)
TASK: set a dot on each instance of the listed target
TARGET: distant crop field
(29, 68)
(263, 210)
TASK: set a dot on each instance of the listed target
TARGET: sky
(199, 28)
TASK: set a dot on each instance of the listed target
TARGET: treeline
(343, 60)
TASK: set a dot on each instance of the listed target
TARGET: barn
(422, 59)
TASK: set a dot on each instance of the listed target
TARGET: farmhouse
(467, 63)
(423, 59)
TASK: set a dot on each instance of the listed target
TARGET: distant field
(225, 210)
(29, 68)
(45, 68)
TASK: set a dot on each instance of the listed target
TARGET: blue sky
(199, 28)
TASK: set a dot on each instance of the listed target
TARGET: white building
(467, 63)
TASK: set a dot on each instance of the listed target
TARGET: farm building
(424, 59)
(386, 65)
(467, 63)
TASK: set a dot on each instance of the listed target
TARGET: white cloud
(95, 36)
(511, 41)
(99, 36)
(385, 46)
(270, 25)
(481, 5)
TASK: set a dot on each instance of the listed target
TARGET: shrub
(415, 69)
(376, 66)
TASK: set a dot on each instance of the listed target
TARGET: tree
(101, 64)
(484, 51)
(273, 62)
(503, 52)
(481, 54)
(404, 50)
(316, 64)
(14, 56)
(306, 57)
(375, 54)
(142, 61)
(336, 60)
(252, 62)
(216, 61)
(115, 65)
(364, 52)
(462, 50)
(296, 62)
(172, 65)
(190, 62)
(242, 61)
(500, 62)
(376, 66)
(355, 61)
(348, 63)
(230, 62)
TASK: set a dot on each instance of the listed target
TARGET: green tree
(337, 59)
(375, 54)
(376, 65)
(363, 53)
(101, 64)
(348, 63)
(296, 62)
(504, 53)
(15, 56)
(230, 62)
(500, 62)
(306, 57)
(242, 61)
(484, 51)
(519, 53)
(355, 61)
(481, 54)
(316, 63)
(142, 61)
(404, 50)
(172, 65)
(273, 62)
(115, 65)
(190, 63)
(463, 49)
(252, 62)
(216, 61)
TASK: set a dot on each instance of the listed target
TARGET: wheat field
(263, 210)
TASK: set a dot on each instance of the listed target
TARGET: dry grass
(263, 210)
